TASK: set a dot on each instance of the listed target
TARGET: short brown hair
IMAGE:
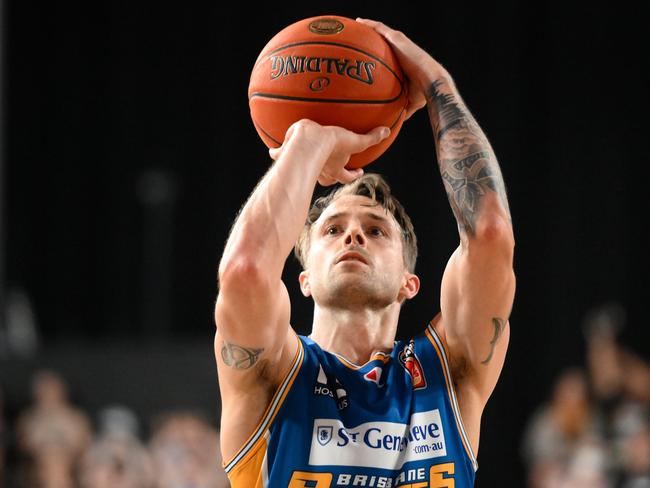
(376, 188)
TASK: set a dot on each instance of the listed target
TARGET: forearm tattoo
(467, 163)
(239, 357)
(499, 326)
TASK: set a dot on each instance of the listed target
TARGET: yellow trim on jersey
(251, 448)
(385, 357)
(253, 472)
(439, 347)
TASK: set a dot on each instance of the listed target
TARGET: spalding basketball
(332, 70)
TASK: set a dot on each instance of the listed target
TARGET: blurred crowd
(53, 444)
(594, 431)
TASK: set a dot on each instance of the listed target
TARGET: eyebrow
(371, 215)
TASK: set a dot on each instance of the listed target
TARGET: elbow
(493, 226)
(495, 232)
(241, 275)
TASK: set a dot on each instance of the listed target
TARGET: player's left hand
(418, 66)
(333, 144)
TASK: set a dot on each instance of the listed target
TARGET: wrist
(312, 138)
(436, 73)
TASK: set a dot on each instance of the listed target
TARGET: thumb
(410, 111)
(274, 152)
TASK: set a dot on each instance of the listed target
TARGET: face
(355, 257)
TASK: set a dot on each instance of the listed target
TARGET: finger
(274, 152)
(411, 109)
(383, 29)
(326, 180)
(349, 175)
(375, 136)
(364, 141)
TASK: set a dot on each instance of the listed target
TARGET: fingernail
(385, 131)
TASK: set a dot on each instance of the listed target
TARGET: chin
(344, 291)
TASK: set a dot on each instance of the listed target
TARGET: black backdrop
(129, 150)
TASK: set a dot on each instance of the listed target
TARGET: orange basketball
(332, 70)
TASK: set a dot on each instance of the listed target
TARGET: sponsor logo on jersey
(331, 387)
(374, 375)
(387, 445)
(411, 363)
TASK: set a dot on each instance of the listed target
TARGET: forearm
(272, 218)
(468, 166)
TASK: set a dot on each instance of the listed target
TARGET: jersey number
(302, 479)
(437, 476)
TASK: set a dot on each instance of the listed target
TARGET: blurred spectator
(600, 441)
(606, 370)
(118, 421)
(636, 381)
(51, 435)
(186, 453)
(117, 459)
(587, 467)
(632, 446)
(562, 431)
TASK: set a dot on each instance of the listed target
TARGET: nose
(354, 236)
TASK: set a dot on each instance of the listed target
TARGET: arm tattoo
(239, 357)
(467, 163)
(499, 326)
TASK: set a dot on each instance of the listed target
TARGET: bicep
(477, 294)
(254, 338)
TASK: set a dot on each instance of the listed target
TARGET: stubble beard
(352, 290)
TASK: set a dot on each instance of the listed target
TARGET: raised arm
(254, 343)
(478, 285)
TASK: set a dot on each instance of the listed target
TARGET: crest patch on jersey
(374, 375)
(325, 434)
(411, 363)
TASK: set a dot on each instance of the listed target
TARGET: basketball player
(349, 406)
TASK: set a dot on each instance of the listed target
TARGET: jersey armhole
(257, 438)
(441, 351)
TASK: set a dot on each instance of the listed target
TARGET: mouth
(351, 256)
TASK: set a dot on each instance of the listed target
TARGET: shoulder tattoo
(239, 357)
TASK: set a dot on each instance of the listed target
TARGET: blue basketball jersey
(393, 422)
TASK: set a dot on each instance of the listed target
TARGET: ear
(410, 286)
(303, 279)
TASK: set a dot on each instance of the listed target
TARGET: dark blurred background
(127, 149)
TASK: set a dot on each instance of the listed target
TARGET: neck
(355, 334)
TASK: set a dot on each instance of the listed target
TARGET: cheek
(392, 256)
(395, 263)
(317, 252)
(315, 259)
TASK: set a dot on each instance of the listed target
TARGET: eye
(376, 231)
(332, 230)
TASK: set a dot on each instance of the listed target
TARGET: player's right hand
(334, 143)
(419, 67)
